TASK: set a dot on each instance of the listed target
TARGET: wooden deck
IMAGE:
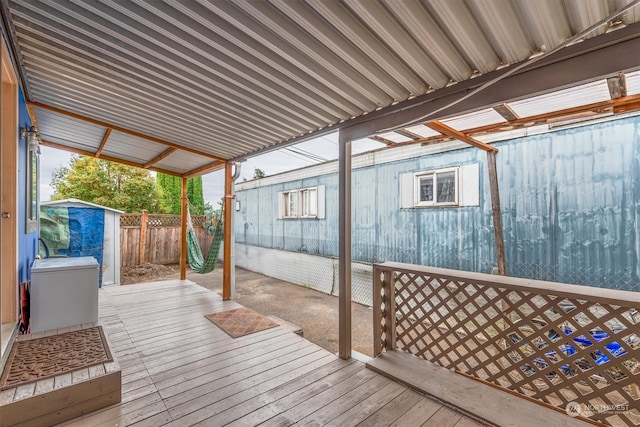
(179, 369)
(62, 396)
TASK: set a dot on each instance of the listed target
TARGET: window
(290, 204)
(436, 188)
(309, 198)
(30, 135)
(301, 203)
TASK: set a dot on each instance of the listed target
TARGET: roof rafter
(108, 158)
(453, 133)
(123, 130)
(211, 167)
(382, 140)
(166, 153)
(625, 104)
(616, 106)
(32, 115)
(103, 142)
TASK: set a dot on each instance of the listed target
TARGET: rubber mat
(39, 358)
(240, 321)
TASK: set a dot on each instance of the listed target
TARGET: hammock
(196, 261)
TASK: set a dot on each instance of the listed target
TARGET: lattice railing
(158, 220)
(570, 346)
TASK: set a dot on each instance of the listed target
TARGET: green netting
(197, 262)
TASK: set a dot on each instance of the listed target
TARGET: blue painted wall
(27, 242)
(570, 205)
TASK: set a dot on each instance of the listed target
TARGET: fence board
(162, 245)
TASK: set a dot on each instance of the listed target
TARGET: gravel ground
(316, 313)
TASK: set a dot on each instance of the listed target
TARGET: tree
(172, 194)
(258, 173)
(194, 194)
(108, 184)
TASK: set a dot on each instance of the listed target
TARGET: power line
(296, 155)
(308, 154)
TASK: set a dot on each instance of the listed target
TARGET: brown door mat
(240, 321)
(34, 359)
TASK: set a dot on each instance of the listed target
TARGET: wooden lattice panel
(159, 220)
(558, 343)
(163, 220)
(130, 220)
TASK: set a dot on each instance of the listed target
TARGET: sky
(308, 153)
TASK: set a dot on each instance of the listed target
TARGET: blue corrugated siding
(569, 202)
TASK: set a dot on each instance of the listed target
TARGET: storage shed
(76, 228)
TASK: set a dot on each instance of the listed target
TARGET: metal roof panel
(138, 150)
(181, 160)
(475, 119)
(572, 97)
(61, 129)
(248, 76)
(633, 83)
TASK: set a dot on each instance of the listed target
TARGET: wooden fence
(155, 239)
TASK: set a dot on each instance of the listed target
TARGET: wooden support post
(496, 213)
(344, 250)
(143, 236)
(228, 199)
(183, 231)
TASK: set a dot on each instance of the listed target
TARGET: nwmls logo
(574, 409)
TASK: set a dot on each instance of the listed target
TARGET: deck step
(54, 400)
(481, 402)
(286, 324)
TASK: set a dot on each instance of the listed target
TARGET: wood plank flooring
(179, 369)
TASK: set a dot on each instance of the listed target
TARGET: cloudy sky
(305, 154)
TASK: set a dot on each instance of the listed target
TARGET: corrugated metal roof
(475, 119)
(572, 97)
(633, 83)
(227, 79)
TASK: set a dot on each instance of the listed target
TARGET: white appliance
(64, 292)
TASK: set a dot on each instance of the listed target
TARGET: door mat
(240, 321)
(35, 359)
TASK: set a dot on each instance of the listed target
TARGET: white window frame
(416, 188)
(287, 197)
(310, 211)
(314, 210)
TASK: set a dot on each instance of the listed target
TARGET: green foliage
(108, 184)
(213, 216)
(258, 173)
(172, 194)
(194, 194)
